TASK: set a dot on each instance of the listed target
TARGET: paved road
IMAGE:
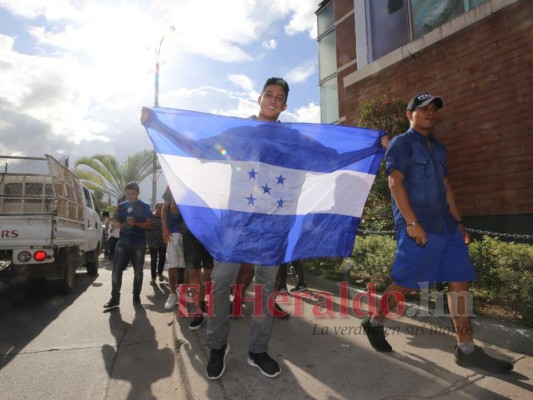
(330, 358)
(67, 348)
(54, 347)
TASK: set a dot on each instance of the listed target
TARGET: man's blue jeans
(123, 255)
(223, 276)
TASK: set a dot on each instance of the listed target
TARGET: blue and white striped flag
(262, 192)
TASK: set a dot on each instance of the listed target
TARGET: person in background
(199, 264)
(172, 223)
(113, 235)
(301, 285)
(156, 246)
(105, 236)
(134, 217)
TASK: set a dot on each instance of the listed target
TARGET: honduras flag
(263, 192)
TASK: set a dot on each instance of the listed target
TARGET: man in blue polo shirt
(431, 237)
(134, 217)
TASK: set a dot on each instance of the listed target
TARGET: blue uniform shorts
(445, 258)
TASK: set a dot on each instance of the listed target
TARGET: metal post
(154, 155)
(156, 104)
(156, 85)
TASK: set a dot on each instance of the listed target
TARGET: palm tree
(102, 172)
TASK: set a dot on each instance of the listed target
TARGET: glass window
(87, 197)
(327, 55)
(388, 24)
(427, 15)
(393, 23)
(329, 101)
(325, 19)
(95, 203)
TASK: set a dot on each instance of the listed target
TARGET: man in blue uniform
(431, 236)
(134, 217)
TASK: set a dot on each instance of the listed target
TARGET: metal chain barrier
(497, 234)
(376, 232)
(507, 235)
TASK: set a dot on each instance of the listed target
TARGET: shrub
(324, 267)
(372, 259)
(505, 271)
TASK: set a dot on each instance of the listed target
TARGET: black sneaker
(280, 313)
(300, 287)
(479, 359)
(217, 362)
(196, 323)
(376, 336)
(136, 300)
(266, 364)
(112, 303)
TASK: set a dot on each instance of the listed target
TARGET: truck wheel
(92, 262)
(65, 285)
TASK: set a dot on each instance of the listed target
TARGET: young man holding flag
(272, 102)
(263, 193)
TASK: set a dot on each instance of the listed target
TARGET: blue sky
(75, 73)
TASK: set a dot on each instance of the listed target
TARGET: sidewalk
(330, 358)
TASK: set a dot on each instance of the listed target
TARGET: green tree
(103, 173)
(389, 115)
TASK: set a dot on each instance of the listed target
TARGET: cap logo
(424, 96)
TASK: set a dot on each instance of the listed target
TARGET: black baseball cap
(277, 81)
(423, 100)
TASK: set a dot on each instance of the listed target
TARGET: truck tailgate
(25, 231)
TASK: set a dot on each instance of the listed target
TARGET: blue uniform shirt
(424, 171)
(133, 236)
(175, 222)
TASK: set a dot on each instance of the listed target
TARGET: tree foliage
(104, 173)
(389, 115)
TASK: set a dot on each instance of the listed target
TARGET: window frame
(366, 68)
(326, 79)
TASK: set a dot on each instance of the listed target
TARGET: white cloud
(6, 42)
(302, 16)
(79, 90)
(215, 100)
(34, 8)
(242, 81)
(309, 113)
(270, 44)
(302, 72)
(47, 103)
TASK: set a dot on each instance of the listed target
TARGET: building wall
(345, 39)
(485, 75)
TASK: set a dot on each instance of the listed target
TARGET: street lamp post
(156, 104)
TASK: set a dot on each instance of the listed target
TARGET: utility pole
(156, 104)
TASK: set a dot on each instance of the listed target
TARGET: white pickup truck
(49, 223)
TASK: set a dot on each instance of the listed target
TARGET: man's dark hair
(277, 81)
(133, 186)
